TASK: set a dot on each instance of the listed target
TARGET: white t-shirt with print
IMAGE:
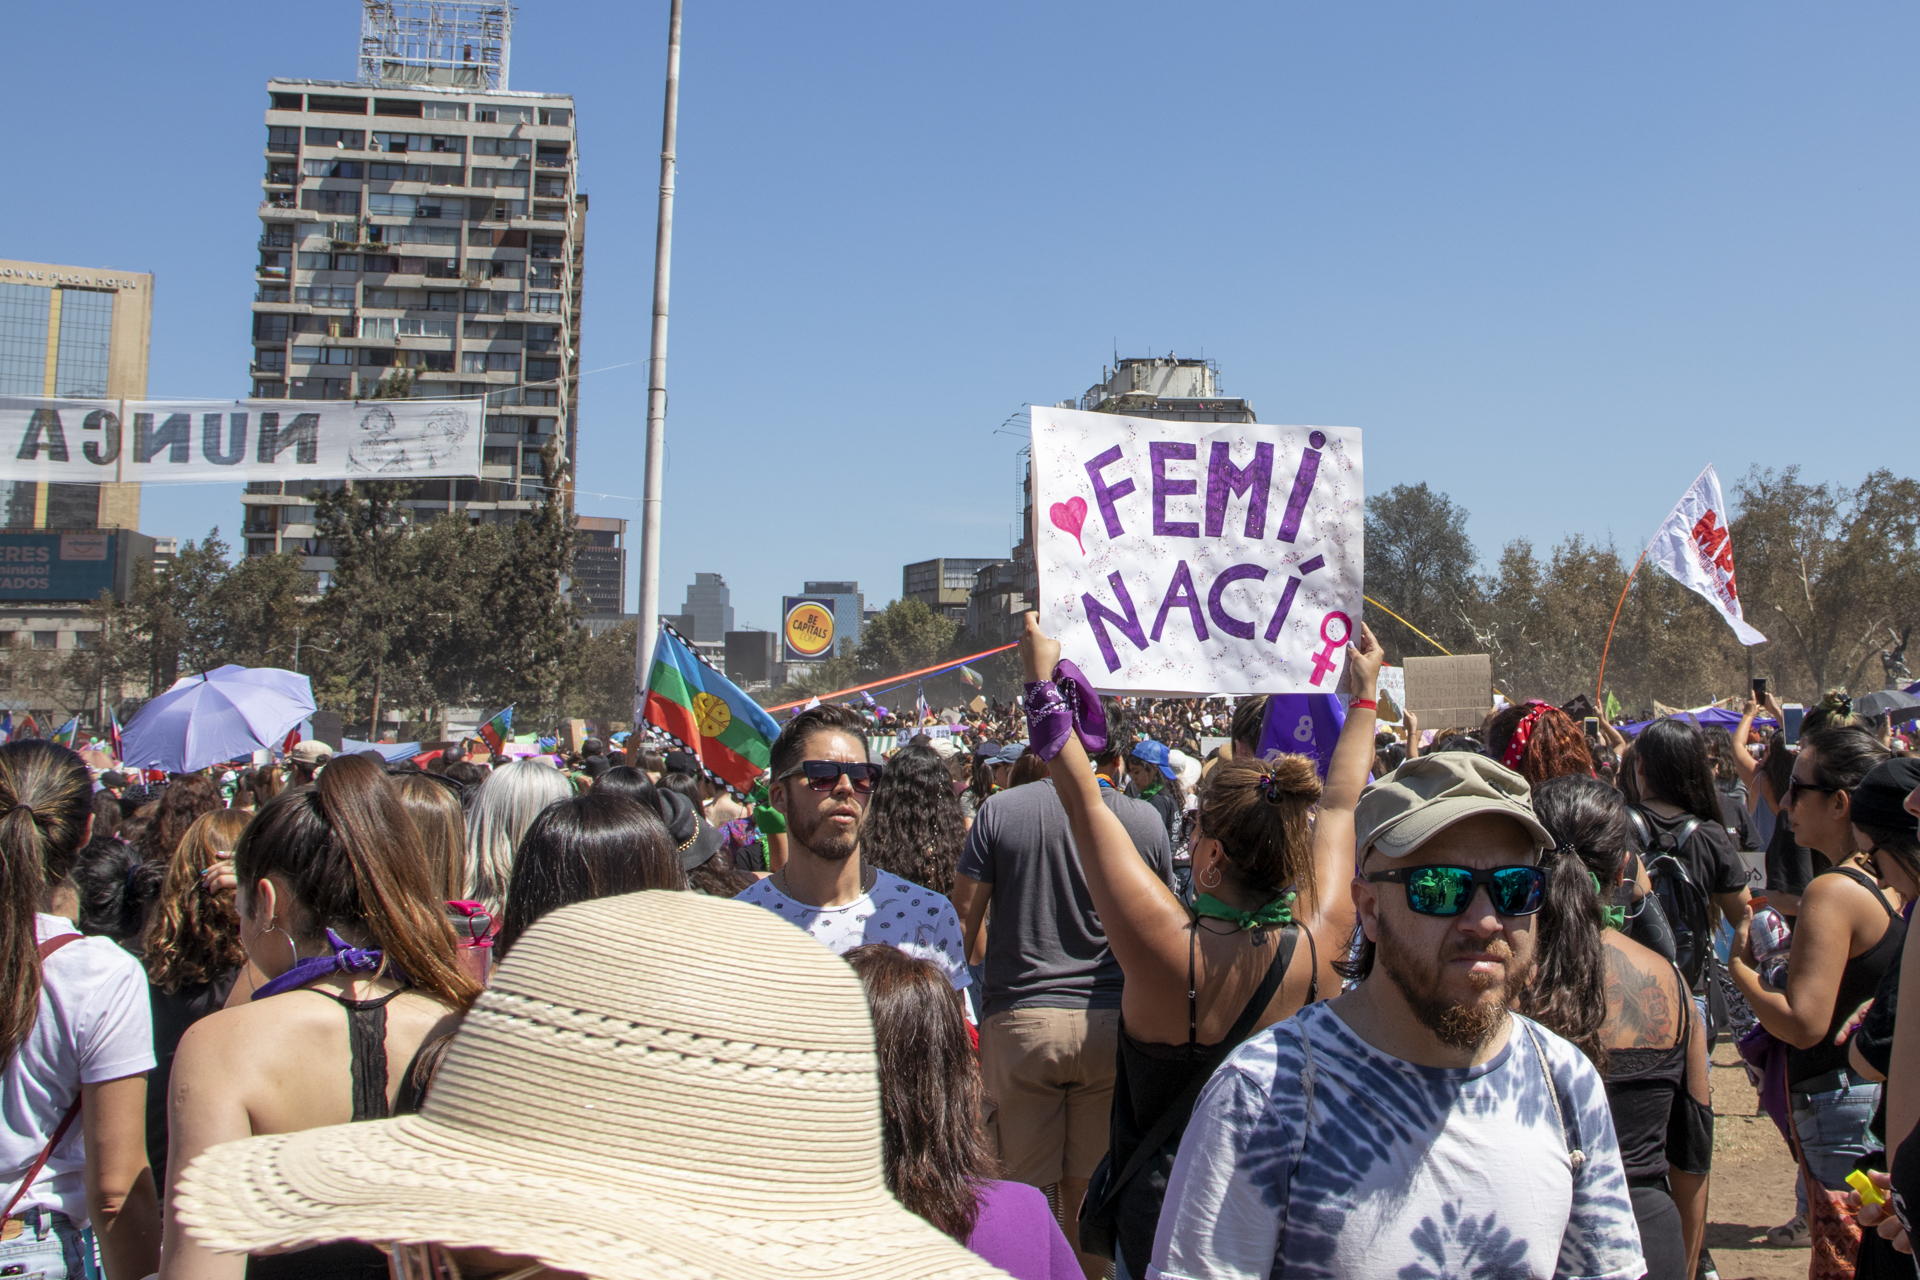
(95, 1023)
(898, 912)
(1313, 1154)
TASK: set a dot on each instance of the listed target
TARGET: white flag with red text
(1695, 547)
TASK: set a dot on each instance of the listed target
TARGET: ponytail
(352, 856)
(1568, 992)
(45, 800)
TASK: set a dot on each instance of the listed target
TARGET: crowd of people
(1115, 1000)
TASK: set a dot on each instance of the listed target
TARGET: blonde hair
(437, 815)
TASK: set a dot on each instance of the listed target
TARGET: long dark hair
(591, 846)
(1257, 810)
(46, 796)
(1673, 755)
(351, 855)
(1568, 992)
(1844, 755)
(915, 825)
(116, 886)
(937, 1158)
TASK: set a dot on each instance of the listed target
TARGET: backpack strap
(46, 949)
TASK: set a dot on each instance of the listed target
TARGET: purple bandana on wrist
(344, 959)
(1062, 705)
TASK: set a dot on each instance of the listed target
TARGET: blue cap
(1154, 753)
(1010, 753)
(986, 750)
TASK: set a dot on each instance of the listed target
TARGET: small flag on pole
(29, 728)
(1695, 549)
(113, 732)
(497, 730)
(68, 732)
(971, 676)
(6, 726)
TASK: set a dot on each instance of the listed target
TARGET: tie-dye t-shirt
(1311, 1154)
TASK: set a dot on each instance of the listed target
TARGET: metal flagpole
(648, 626)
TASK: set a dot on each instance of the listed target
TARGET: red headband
(1517, 745)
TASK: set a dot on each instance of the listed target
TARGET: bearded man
(1413, 1127)
(820, 781)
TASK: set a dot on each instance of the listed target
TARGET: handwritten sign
(1452, 692)
(1197, 557)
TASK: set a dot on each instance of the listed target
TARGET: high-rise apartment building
(600, 566)
(78, 333)
(944, 586)
(422, 234)
(710, 605)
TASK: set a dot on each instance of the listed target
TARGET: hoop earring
(292, 947)
(1215, 882)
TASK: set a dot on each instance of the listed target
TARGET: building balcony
(271, 273)
(278, 201)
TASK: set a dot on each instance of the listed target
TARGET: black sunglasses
(1448, 891)
(824, 775)
(1795, 786)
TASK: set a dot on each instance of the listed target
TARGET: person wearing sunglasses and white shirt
(821, 781)
(1414, 1126)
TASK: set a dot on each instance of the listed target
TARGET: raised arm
(1333, 851)
(1743, 762)
(1146, 925)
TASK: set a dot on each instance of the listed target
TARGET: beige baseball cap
(1428, 794)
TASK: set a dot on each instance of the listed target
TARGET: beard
(1465, 1025)
(827, 841)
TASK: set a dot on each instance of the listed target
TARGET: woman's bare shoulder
(1643, 997)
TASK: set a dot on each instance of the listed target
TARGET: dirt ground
(1752, 1186)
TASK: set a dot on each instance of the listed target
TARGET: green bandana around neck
(1276, 914)
(1153, 791)
(1614, 917)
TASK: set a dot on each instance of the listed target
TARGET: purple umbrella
(229, 712)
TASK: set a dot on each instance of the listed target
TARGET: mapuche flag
(496, 730)
(707, 714)
(68, 732)
(1694, 547)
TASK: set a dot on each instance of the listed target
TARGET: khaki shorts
(1049, 1079)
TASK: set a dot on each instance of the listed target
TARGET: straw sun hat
(620, 1103)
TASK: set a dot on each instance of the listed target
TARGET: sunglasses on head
(824, 775)
(1448, 891)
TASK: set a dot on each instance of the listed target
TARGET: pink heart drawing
(1070, 515)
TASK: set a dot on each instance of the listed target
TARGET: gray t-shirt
(1045, 946)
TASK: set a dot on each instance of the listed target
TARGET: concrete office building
(422, 232)
(944, 586)
(600, 566)
(709, 604)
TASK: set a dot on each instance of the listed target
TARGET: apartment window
(386, 298)
(440, 268)
(489, 361)
(351, 139)
(270, 328)
(324, 295)
(420, 327)
(396, 107)
(479, 329)
(503, 115)
(282, 140)
(541, 395)
(532, 464)
(271, 293)
(501, 177)
(331, 326)
(547, 273)
(551, 156)
(444, 111)
(550, 187)
(320, 389)
(412, 206)
(545, 246)
(285, 101)
(282, 175)
(447, 301)
(543, 302)
(494, 455)
(337, 105)
(331, 168)
(323, 355)
(377, 327)
(550, 213)
(446, 175)
(555, 116)
(278, 235)
(496, 210)
(542, 370)
(331, 201)
(273, 265)
(378, 357)
(503, 146)
(46, 639)
(269, 360)
(327, 261)
(433, 361)
(275, 390)
(377, 262)
(495, 268)
(424, 235)
(397, 172)
(410, 142)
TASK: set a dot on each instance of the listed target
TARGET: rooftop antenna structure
(462, 44)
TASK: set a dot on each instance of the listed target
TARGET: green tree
(1420, 564)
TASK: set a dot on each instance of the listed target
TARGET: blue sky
(1551, 259)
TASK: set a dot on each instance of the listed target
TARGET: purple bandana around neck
(1065, 704)
(344, 959)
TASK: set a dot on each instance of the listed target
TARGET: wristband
(1363, 704)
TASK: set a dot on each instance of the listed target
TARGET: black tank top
(1148, 1079)
(1858, 982)
(346, 1259)
(1643, 1086)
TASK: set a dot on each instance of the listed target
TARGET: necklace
(868, 878)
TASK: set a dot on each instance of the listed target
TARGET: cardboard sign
(1189, 558)
(1450, 693)
(1392, 695)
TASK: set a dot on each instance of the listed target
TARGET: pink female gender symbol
(1323, 661)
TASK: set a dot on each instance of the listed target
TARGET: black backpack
(1688, 908)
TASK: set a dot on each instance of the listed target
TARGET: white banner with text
(161, 441)
(1198, 557)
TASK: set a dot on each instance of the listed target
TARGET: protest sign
(1450, 693)
(1392, 695)
(1187, 558)
(161, 441)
